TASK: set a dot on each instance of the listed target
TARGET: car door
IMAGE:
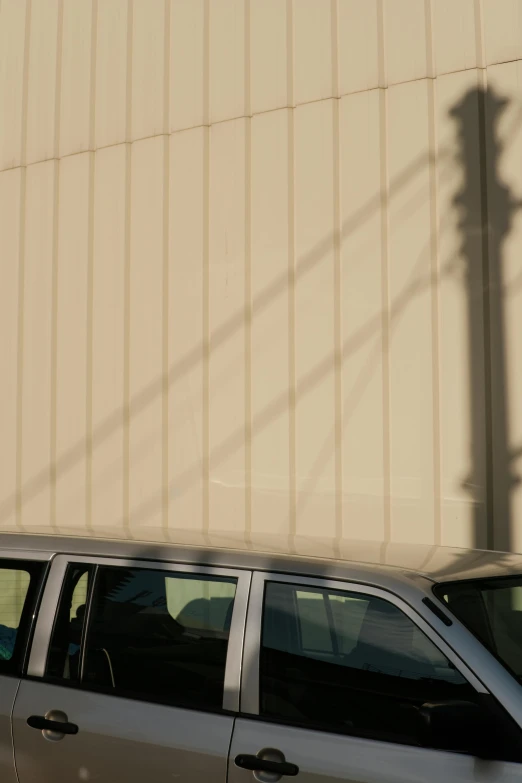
(333, 675)
(20, 578)
(138, 668)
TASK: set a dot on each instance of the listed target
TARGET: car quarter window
(19, 580)
(349, 662)
(158, 635)
(63, 662)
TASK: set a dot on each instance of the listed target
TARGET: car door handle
(45, 724)
(255, 764)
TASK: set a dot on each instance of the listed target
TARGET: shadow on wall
(485, 208)
(278, 288)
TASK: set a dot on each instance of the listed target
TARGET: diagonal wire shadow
(261, 302)
(416, 287)
(275, 408)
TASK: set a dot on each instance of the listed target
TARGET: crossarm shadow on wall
(483, 234)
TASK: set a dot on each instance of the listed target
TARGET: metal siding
(44, 79)
(314, 319)
(11, 195)
(13, 24)
(463, 489)
(187, 311)
(112, 73)
(36, 380)
(227, 348)
(71, 381)
(271, 235)
(108, 338)
(77, 70)
(363, 327)
(261, 266)
(144, 336)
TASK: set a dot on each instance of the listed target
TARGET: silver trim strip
(250, 671)
(51, 597)
(22, 554)
(45, 619)
(233, 668)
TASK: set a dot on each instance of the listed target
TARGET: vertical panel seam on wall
(206, 63)
(89, 346)
(54, 342)
(429, 38)
(20, 352)
(385, 293)
(334, 21)
(54, 277)
(292, 457)
(338, 353)
(166, 69)
(58, 82)
(248, 282)
(488, 390)
(128, 83)
(126, 255)
(337, 308)
(480, 44)
(92, 76)
(25, 85)
(90, 273)
(435, 272)
(205, 293)
(289, 52)
(21, 268)
(205, 309)
(126, 341)
(248, 329)
(385, 325)
(381, 44)
(166, 257)
(165, 336)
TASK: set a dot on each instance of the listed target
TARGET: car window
(18, 584)
(63, 661)
(492, 610)
(349, 662)
(152, 634)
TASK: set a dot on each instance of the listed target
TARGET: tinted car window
(492, 610)
(18, 587)
(63, 662)
(159, 635)
(349, 662)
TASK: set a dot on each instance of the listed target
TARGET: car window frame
(44, 559)
(51, 601)
(250, 681)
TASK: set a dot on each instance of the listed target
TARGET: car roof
(313, 556)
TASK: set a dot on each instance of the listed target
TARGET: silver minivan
(146, 663)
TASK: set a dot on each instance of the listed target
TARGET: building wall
(262, 267)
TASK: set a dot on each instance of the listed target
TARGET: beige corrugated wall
(261, 267)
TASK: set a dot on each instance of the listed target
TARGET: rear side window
(63, 662)
(18, 589)
(156, 635)
(349, 662)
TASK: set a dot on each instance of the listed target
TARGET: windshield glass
(492, 610)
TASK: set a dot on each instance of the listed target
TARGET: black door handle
(255, 764)
(44, 724)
